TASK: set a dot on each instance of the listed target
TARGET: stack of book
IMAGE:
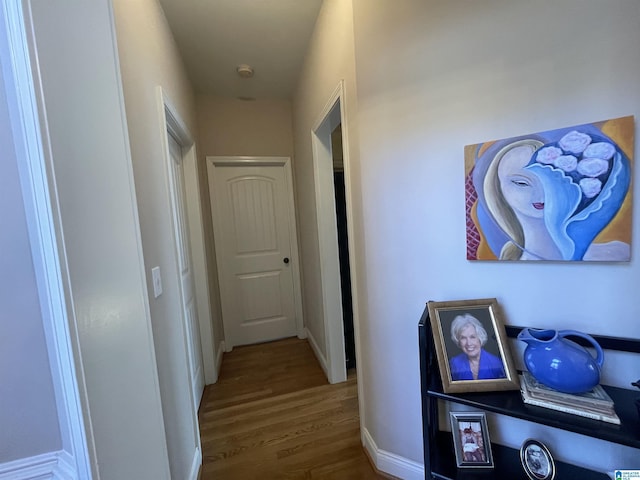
(595, 404)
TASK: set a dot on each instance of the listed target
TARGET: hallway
(272, 415)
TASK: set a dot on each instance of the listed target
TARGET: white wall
(329, 59)
(101, 254)
(148, 58)
(28, 413)
(228, 126)
(436, 76)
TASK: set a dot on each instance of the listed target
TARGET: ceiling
(215, 36)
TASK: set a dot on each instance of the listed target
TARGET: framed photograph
(537, 460)
(471, 440)
(471, 346)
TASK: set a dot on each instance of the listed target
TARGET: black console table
(439, 457)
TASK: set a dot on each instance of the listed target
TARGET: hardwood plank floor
(272, 415)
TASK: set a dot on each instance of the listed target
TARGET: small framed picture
(471, 346)
(537, 460)
(471, 440)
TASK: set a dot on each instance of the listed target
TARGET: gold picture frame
(471, 346)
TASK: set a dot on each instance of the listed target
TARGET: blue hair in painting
(587, 176)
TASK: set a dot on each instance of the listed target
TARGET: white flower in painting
(601, 150)
(592, 167)
(590, 187)
(568, 163)
(548, 155)
(574, 142)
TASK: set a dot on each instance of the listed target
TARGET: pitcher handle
(590, 339)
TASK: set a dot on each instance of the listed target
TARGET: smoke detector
(245, 71)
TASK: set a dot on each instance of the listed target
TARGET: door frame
(170, 121)
(77, 456)
(179, 215)
(264, 161)
(334, 114)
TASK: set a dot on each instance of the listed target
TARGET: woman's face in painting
(521, 189)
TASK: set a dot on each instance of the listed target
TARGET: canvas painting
(559, 195)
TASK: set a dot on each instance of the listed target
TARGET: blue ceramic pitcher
(560, 363)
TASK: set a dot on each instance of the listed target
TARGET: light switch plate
(157, 281)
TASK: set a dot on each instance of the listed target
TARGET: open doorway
(333, 210)
(343, 246)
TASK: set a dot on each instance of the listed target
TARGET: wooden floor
(272, 415)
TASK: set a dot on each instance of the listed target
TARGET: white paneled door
(187, 286)
(252, 207)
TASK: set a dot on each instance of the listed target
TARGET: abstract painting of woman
(549, 196)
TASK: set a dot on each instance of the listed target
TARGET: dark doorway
(343, 247)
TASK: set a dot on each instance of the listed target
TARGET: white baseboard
(48, 466)
(391, 463)
(318, 353)
(195, 466)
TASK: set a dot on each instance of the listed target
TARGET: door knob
(286, 260)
